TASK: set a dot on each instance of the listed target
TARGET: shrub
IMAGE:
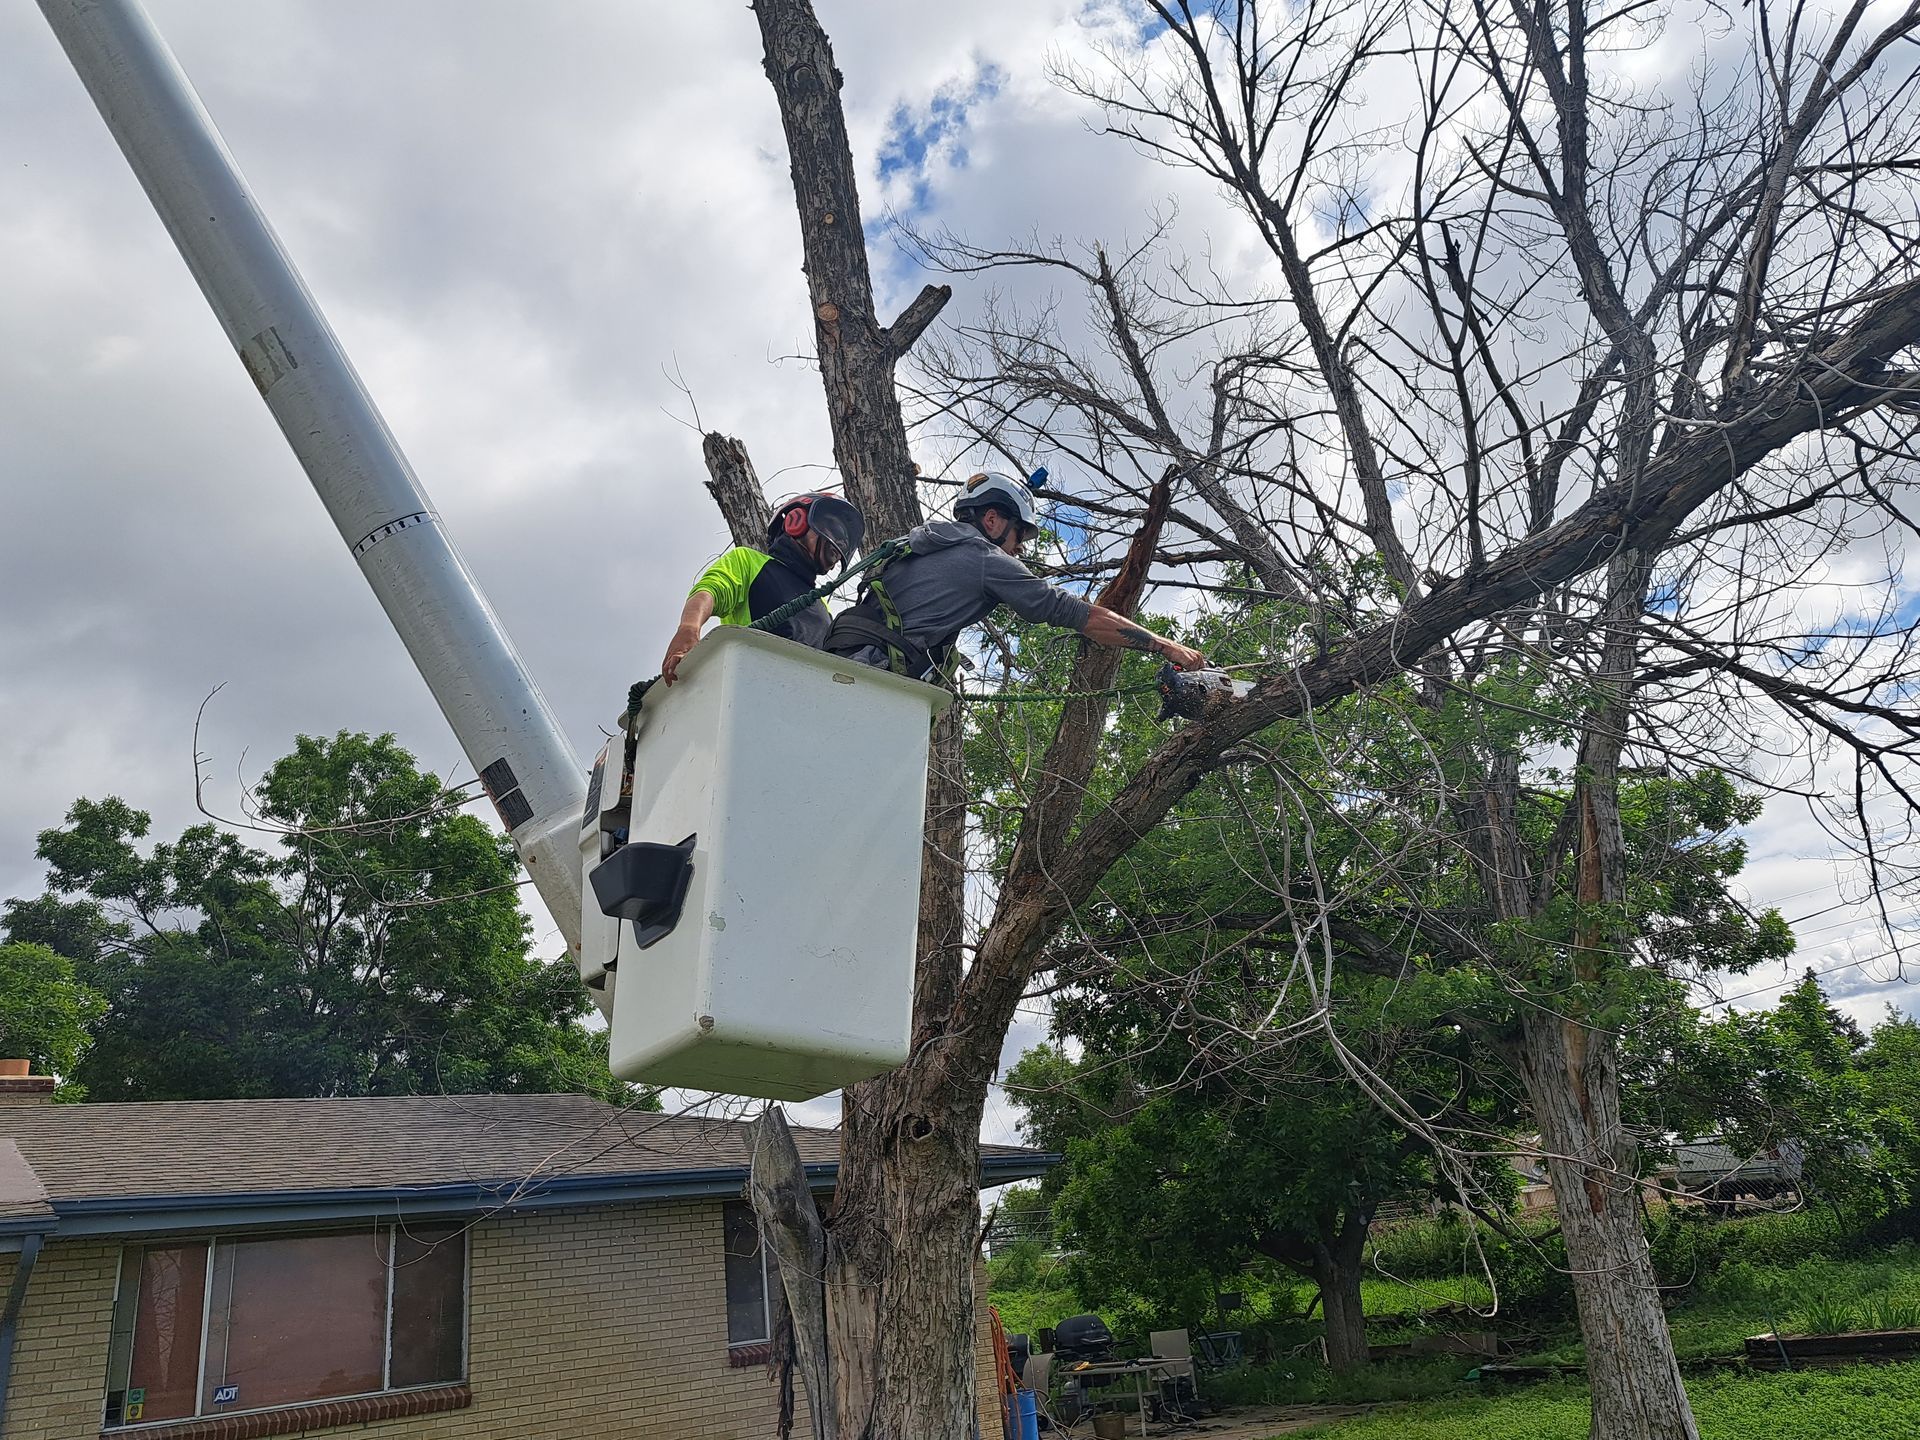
(1016, 1267)
(1530, 1276)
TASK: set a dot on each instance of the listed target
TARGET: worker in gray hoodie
(954, 573)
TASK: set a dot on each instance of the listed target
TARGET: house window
(749, 1269)
(212, 1327)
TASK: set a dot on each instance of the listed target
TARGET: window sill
(739, 1357)
(294, 1419)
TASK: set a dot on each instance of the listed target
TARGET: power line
(1817, 975)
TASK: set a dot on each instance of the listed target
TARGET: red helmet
(828, 516)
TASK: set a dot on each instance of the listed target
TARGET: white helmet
(1000, 492)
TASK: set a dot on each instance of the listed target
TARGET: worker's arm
(1032, 598)
(1107, 627)
(693, 615)
(721, 590)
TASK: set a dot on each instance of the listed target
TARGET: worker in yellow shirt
(808, 536)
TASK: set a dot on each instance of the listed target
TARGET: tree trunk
(899, 1276)
(777, 1186)
(1572, 1078)
(857, 354)
(1337, 1271)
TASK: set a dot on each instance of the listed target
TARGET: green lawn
(1867, 1402)
(1882, 1292)
(1790, 1275)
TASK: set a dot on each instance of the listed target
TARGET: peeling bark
(1573, 1082)
(790, 1227)
(735, 488)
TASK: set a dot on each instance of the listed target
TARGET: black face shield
(837, 523)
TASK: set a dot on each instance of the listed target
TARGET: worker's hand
(684, 639)
(1182, 657)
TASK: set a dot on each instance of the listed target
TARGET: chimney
(19, 1086)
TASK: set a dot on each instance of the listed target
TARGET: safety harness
(874, 620)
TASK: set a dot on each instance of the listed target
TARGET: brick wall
(605, 1322)
(986, 1375)
(60, 1355)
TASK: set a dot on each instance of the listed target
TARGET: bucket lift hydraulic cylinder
(456, 642)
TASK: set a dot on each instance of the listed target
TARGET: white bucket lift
(774, 832)
(778, 946)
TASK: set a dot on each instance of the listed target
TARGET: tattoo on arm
(1134, 638)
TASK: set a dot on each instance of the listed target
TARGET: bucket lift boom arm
(370, 491)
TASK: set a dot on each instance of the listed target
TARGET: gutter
(10, 1317)
(148, 1214)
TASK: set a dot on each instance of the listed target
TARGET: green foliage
(1031, 1292)
(45, 1012)
(1303, 1380)
(1824, 1314)
(1867, 1400)
(1016, 1267)
(379, 950)
(1804, 1076)
(1446, 1245)
(1892, 1313)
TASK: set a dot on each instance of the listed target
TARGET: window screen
(284, 1319)
(297, 1319)
(429, 1310)
(154, 1354)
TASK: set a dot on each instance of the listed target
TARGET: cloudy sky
(522, 221)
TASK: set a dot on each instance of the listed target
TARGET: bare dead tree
(1579, 386)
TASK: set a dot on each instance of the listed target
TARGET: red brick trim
(294, 1419)
(26, 1085)
(739, 1357)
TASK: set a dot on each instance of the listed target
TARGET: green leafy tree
(378, 949)
(45, 1012)
(1353, 865)
(1173, 1189)
(1804, 1079)
(1217, 1115)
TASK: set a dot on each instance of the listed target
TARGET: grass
(1728, 1280)
(1385, 1299)
(1305, 1381)
(1812, 1296)
(1864, 1401)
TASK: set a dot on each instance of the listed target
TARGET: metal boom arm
(284, 342)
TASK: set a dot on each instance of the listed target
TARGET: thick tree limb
(913, 321)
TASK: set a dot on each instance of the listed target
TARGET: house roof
(169, 1165)
(22, 1196)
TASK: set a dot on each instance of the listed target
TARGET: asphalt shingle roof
(22, 1196)
(238, 1147)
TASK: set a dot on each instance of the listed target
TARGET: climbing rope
(773, 619)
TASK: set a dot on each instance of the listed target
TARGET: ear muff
(793, 522)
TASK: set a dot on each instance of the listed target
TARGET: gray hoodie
(954, 577)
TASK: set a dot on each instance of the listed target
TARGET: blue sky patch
(915, 135)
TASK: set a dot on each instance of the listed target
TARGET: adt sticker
(226, 1395)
